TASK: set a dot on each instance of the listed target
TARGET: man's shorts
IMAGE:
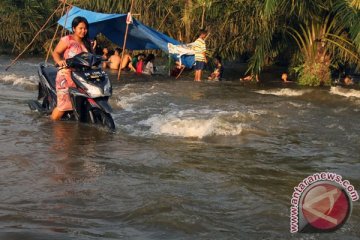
(199, 65)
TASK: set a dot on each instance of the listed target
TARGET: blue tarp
(113, 26)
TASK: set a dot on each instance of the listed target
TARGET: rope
(203, 16)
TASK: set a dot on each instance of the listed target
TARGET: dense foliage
(312, 36)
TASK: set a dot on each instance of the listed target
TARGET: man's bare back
(127, 63)
(114, 62)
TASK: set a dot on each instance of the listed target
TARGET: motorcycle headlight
(91, 90)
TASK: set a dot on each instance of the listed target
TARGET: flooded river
(188, 160)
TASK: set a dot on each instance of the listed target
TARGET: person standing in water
(68, 47)
(199, 47)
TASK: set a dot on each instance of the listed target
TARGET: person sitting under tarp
(149, 65)
(115, 59)
(126, 63)
(140, 63)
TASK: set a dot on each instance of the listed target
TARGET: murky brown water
(189, 161)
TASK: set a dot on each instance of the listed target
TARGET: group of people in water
(140, 63)
(144, 64)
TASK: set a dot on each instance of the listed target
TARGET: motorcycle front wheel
(103, 118)
(108, 121)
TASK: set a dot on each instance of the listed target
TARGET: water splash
(345, 92)
(199, 124)
(284, 92)
(129, 102)
(18, 80)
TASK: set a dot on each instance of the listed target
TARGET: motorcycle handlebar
(69, 62)
(59, 68)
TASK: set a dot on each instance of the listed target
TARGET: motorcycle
(89, 98)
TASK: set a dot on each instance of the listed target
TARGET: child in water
(348, 81)
(216, 75)
(284, 77)
(140, 63)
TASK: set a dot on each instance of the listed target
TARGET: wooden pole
(203, 16)
(169, 56)
(66, 18)
(125, 38)
(41, 29)
(182, 69)
(52, 40)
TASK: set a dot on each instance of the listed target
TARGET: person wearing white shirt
(149, 65)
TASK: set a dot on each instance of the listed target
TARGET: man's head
(118, 51)
(105, 50)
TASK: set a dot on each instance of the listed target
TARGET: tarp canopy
(113, 26)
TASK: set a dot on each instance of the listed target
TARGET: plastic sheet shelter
(113, 26)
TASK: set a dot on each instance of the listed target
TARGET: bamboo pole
(125, 38)
(66, 18)
(53, 39)
(169, 58)
(41, 29)
(182, 69)
(203, 16)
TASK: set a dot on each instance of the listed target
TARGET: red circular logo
(325, 206)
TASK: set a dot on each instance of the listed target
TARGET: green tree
(325, 32)
(315, 35)
(21, 19)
